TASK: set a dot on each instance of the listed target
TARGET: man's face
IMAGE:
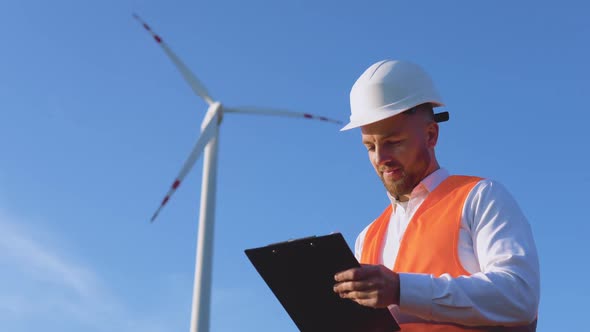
(401, 149)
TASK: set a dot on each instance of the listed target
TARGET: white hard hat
(388, 88)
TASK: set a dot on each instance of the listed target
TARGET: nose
(381, 156)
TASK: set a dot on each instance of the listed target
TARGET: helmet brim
(438, 117)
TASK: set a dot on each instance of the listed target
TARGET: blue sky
(95, 122)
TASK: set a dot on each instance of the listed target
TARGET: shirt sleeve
(505, 291)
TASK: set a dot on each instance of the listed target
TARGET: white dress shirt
(495, 245)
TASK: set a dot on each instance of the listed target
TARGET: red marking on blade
(157, 38)
(165, 200)
(147, 27)
(175, 184)
(308, 116)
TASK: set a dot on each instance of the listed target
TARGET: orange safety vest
(430, 244)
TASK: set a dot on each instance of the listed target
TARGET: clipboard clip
(303, 239)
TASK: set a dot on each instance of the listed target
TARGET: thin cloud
(39, 261)
(42, 284)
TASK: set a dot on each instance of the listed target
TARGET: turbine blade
(279, 112)
(209, 130)
(188, 76)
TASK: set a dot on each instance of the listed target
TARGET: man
(451, 253)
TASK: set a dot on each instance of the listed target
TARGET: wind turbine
(208, 143)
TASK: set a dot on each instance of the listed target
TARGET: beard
(400, 187)
(407, 180)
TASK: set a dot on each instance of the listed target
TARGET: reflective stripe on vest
(430, 244)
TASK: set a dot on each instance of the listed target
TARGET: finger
(367, 299)
(347, 275)
(359, 273)
(359, 295)
(371, 302)
(349, 286)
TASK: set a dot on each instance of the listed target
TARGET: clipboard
(301, 272)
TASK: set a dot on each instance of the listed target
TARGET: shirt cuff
(416, 294)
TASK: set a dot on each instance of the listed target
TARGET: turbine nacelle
(215, 109)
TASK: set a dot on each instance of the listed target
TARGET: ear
(431, 135)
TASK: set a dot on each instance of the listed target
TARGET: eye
(395, 142)
(370, 147)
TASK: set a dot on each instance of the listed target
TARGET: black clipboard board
(301, 272)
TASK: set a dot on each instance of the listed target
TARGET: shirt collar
(428, 184)
(434, 179)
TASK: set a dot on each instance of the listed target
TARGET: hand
(370, 285)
